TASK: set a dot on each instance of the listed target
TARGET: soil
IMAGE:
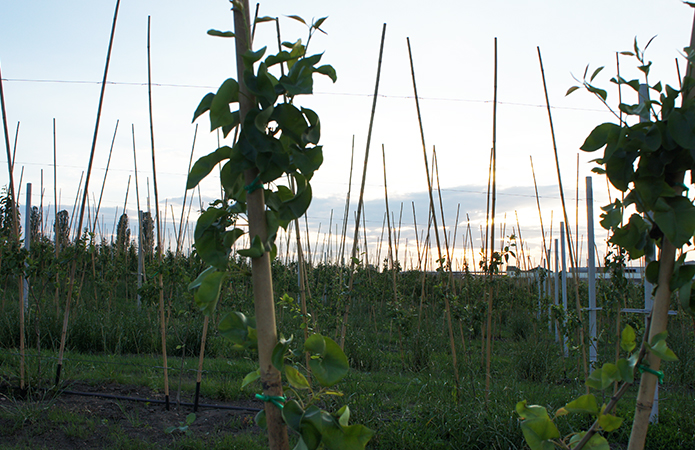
(48, 420)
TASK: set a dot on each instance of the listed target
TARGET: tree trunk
(662, 300)
(261, 273)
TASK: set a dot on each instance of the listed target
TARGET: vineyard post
(591, 265)
(563, 275)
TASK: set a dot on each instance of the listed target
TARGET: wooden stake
(160, 250)
(71, 283)
(488, 346)
(185, 193)
(360, 203)
(567, 226)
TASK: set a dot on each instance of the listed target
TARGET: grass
(404, 390)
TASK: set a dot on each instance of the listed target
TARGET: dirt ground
(69, 421)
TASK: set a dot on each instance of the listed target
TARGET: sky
(52, 57)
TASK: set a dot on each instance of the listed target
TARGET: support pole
(591, 266)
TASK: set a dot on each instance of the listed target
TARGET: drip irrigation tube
(148, 400)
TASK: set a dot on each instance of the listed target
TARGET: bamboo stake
(347, 209)
(434, 220)
(417, 241)
(488, 346)
(71, 283)
(470, 235)
(15, 226)
(424, 151)
(388, 224)
(521, 241)
(567, 226)
(106, 172)
(360, 203)
(185, 194)
(456, 226)
(159, 226)
(398, 235)
(538, 203)
(74, 206)
(55, 197)
(435, 163)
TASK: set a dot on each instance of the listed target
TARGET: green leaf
(231, 236)
(218, 33)
(660, 349)
(260, 420)
(319, 22)
(596, 72)
(682, 274)
(584, 404)
(298, 19)
(536, 426)
(633, 237)
(627, 339)
(652, 272)
(594, 90)
(329, 364)
(279, 351)
(605, 376)
(609, 422)
(203, 106)
(292, 413)
(344, 415)
(329, 71)
(626, 367)
(597, 442)
(312, 134)
(220, 113)
(208, 292)
(612, 215)
(295, 378)
(681, 125)
(291, 121)
(239, 329)
(686, 295)
(208, 237)
(255, 251)
(600, 136)
(251, 377)
(251, 57)
(265, 19)
(204, 166)
(353, 437)
(675, 216)
(571, 89)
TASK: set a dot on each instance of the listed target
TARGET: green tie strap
(659, 374)
(276, 400)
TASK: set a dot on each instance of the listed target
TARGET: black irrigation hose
(149, 400)
(110, 362)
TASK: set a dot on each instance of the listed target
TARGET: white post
(557, 286)
(563, 275)
(27, 244)
(591, 263)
